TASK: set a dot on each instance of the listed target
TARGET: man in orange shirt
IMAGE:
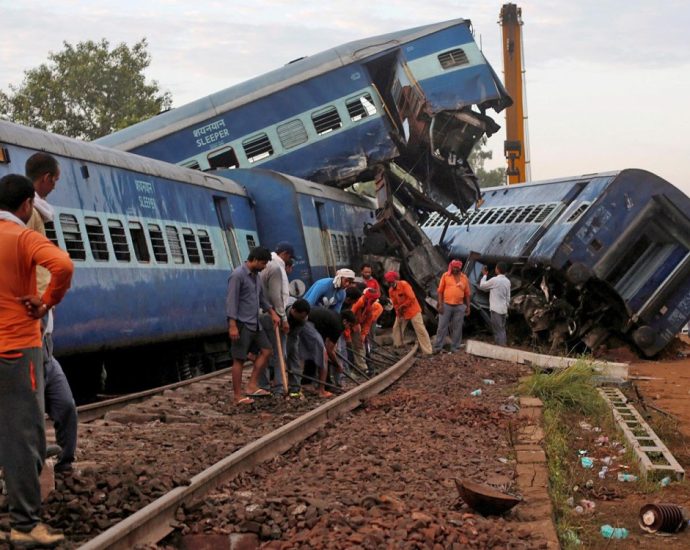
(22, 430)
(453, 305)
(407, 309)
(367, 310)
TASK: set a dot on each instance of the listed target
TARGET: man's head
(285, 250)
(343, 278)
(348, 318)
(370, 296)
(352, 294)
(44, 172)
(501, 268)
(299, 311)
(258, 258)
(17, 196)
(366, 272)
(455, 267)
(392, 278)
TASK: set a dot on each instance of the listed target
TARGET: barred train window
(51, 233)
(223, 158)
(72, 236)
(251, 243)
(119, 240)
(334, 246)
(206, 247)
(326, 120)
(158, 243)
(360, 107)
(190, 245)
(453, 58)
(174, 244)
(141, 248)
(99, 246)
(257, 148)
(343, 249)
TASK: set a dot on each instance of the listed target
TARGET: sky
(605, 79)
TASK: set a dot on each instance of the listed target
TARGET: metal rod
(312, 379)
(352, 365)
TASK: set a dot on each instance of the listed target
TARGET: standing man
(453, 305)
(244, 300)
(22, 427)
(44, 172)
(277, 292)
(329, 292)
(369, 281)
(407, 309)
(499, 300)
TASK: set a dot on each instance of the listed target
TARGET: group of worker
(298, 339)
(334, 322)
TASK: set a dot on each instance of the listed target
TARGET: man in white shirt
(499, 300)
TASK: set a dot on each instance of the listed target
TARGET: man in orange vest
(453, 306)
(367, 310)
(22, 429)
(407, 309)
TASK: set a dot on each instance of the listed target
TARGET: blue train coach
(592, 256)
(152, 243)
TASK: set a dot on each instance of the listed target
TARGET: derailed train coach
(590, 257)
(418, 97)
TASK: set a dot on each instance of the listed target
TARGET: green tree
(487, 178)
(86, 91)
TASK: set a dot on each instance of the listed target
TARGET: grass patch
(567, 393)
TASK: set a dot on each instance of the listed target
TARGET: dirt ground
(664, 388)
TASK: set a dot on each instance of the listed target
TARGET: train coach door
(329, 258)
(225, 219)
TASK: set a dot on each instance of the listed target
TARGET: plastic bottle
(488, 382)
(586, 462)
(476, 393)
(609, 532)
(665, 482)
(626, 477)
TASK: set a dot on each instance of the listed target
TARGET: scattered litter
(626, 477)
(476, 393)
(585, 425)
(582, 452)
(665, 482)
(602, 472)
(607, 460)
(570, 502)
(609, 532)
(596, 429)
(503, 460)
(669, 518)
(588, 505)
(509, 408)
(586, 462)
(488, 382)
(589, 484)
(579, 510)
(601, 440)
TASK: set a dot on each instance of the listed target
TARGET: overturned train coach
(590, 257)
(153, 245)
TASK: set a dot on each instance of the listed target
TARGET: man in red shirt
(22, 430)
(407, 309)
(453, 306)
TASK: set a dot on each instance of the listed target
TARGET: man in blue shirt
(330, 293)
(242, 305)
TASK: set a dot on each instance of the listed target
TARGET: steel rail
(154, 522)
(92, 411)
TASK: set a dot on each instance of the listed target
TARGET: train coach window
(545, 213)
(223, 158)
(72, 236)
(206, 247)
(119, 240)
(174, 244)
(193, 165)
(453, 58)
(51, 233)
(99, 246)
(158, 243)
(257, 148)
(251, 243)
(360, 107)
(190, 246)
(291, 134)
(141, 248)
(343, 248)
(326, 120)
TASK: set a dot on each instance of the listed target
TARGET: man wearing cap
(367, 310)
(276, 289)
(407, 309)
(330, 293)
(453, 305)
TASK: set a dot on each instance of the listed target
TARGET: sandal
(259, 393)
(245, 401)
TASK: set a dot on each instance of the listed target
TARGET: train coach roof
(55, 144)
(266, 84)
(306, 187)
